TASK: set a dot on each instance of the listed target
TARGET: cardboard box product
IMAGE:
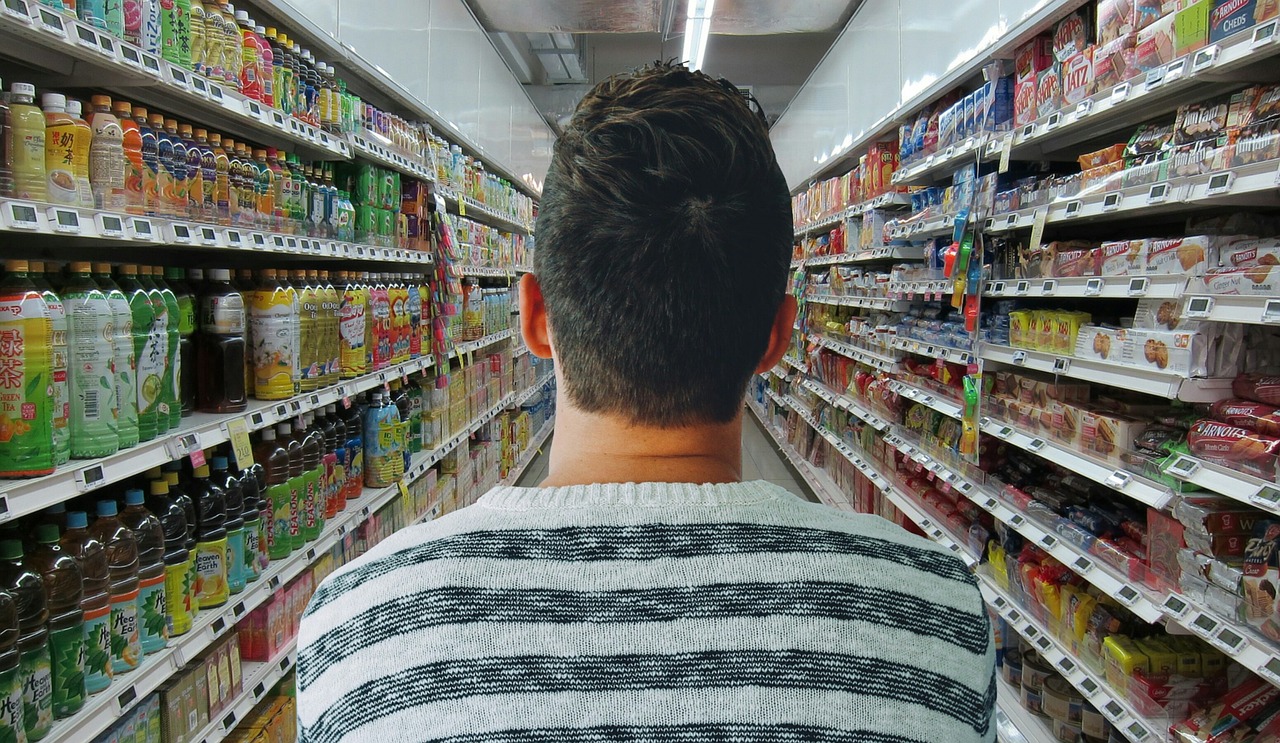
(1072, 259)
(1032, 58)
(1024, 102)
(1156, 44)
(1077, 77)
(1123, 258)
(1260, 281)
(1147, 12)
(1163, 314)
(1048, 91)
(1248, 252)
(1175, 352)
(1191, 27)
(1114, 62)
(1072, 35)
(1115, 18)
(1235, 16)
(1181, 255)
(1102, 343)
(1109, 434)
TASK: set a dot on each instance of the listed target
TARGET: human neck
(590, 448)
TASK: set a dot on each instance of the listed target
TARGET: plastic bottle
(64, 592)
(331, 302)
(277, 67)
(177, 558)
(60, 151)
(95, 601)
(150, 148)
(310, 331)
(220, 347)
(182, 174)
(232, 46)
(106, 157)
(165, 305)
(222, 180)
(405, 408)
(417, 404)
(378, 333)
(211, 539)
(11, 727)
(251, 516)
(398, 295)
(124, 363)
(275, 329)
(313, 476)
(235, 182)
(84, 142)
(197, 24)
(214, 33)
(122, 559)
(265, 190)
(114, 17)
(335, 441)
(175, 32)
(233, 491)
(288, 90)
(176, 278)
(291, 439)
(266, 67)
(153, 602)
(195, 180)
(245, 284)
(25, 143)
(61, 407)
(271, 453)
(352, 318)
(90, 362)
(276, 196)
(135, 201)
(208, 170)
(6, 183)
(27, 588)
(353, 421)
(250, 58)
(180, 490)
(26, 414)
(149, 350)
(382, 458)
(166, 170)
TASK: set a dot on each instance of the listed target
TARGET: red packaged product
(1255, 416)
(1048, 92)
(1032, 58)
(1234, 447)
(1259, 387)
(1077, 77)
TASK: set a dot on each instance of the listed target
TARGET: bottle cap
(201, 133)
(268, 434)
(128, 268)
(107, 508)
(57, 508)
(220, 274)
(133, 497)
(77, 519)
(185, 130)
(26, 89)
(36, 266)
(218, 463)
(242, 16)
(201, 471)
(285, 429)
(75, 108)
(171, 124)
(102, 268)
(140, 113)
(195, 274)
(122, 109)
(171, 478)
(55, 101)
(16, 266)
(47, 534)
(159, 487)
(271, 32)
(10, 549)
(259, 30)
(157, 121)
(101, 101)
(172, 272)
(81, 267)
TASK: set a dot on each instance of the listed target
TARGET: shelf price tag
(17, 10)
(1158, 194)
(1175, 70)
(208, 236)
(1093, 287)
(1110, 202)
(64, 221)
(1174, 606)
(180, 233)
(1266, 496)
(89, 478)
(215, 93)
(141, 228)
(1073, 209)
(1220, 183)
(1271, 311)
(21, 215)
(51, 22)
(1264, 34)
(1083, 108)
(178, 77)
(238, 434)
(1054, 119)
(130, 56)
(1137, 287)
(1198, 307)
(1154, 79)
(151, 64)
(258, 241)
(109, 225)
(85, 36)
(233, 238)
(1204, 58)
(199, 85)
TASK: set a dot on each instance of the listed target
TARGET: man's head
(663, 243)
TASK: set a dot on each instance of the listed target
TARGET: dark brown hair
(663, 242)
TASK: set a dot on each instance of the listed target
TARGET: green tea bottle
(26, 421)
(149, 350)
(95, 601)
(11, 728)
(185, 295)
(90, 335)
(274, 458)
(153, 606)
(174, 329)
(61, 395)
(27, 588)
(233, 491)
(64, 591)
(123, 354)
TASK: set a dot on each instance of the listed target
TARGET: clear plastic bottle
(11, 727)
(353, 421)
(124, 361)
(84, 142)
(150, 349)
(352, 331)
(25, 143)
(211, 539)
(28, 449)
(245, 284)
(164, 328)
(222, 180)
(405, 407)
(214, 35)
(265, 190)
(106, 157)
(27, 588)
(180, 490)
(250, 58)
(135, 200)
(379, 334)
(166, 184)
(266, 67)
(310, 331)
(274, 458)
(277, 68)
(195, 180)
(175, 32)
(198, 50)
(233, 489)
(220, 346)
(122, 560)
(64, 592)
(61, 389)
(6, 169)
(173, 379)
(208, 169)
(176, 278)
(91, 357)
(330, 301)
(313, 501)
(182, 174)
(292, 443)
(91, 555)
(335, 442)
(150, 148)
(60, 148)
(153, 602)
(382, 457)
(178, 559)
(273, 318)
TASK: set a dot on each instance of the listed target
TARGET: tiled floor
(760, 461)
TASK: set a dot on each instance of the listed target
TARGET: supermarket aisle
(760, 461)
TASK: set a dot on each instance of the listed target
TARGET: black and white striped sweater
(650, 613)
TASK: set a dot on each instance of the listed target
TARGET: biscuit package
(1114, 62)
(1123, 257)
(1234, 447)
(1072, 34)
(1186, 353)
(1234, 16)
(1048, 91)
(1156, 44)
(1175, 255)
(1115, 18)
(1077, 77)
(1162, 314)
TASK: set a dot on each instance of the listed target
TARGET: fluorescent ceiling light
(696, 30)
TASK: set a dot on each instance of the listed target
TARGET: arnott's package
(1234, 447)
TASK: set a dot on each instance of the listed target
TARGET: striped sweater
(663, 613)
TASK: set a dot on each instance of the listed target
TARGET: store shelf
(1144, 491)
(468, 207)
(493, 272)
(921, 229)
(1107, 287)
(199, 431)
(823, 224)
(934, 351)
(1252, 310)
(535, 448)
(941, 165)
(923, 287)
(91, 228)
(377, 149)
(884, 253)
(872, 303)
(817, 481)
(523, 397)
(940, 403)
(1015, 723)
(892, 200)
(1242, 644)
(1254, 491)
(257, 680)
(1134, 378)
(75, 54)
(940, 534)
(1091, 685)
(846, 403)
(870, 358)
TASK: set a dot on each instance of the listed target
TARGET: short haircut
(663, 244)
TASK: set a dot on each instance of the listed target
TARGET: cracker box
(1114, 62)
(1024, 102)
(1162, 314)
(1077, 77)
(1048, 92)
(1249, 252)
(1071, 260)
(1115, 19)
(1123, 257)
(1032, 58)
(1233, 16)
(1147, 12)
(1108, 433)
(1191, 27)
(1164, 539)
(1181, 255)
(1155, 45)
(1071, 35)
(1176, 352)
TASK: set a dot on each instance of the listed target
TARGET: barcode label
(92, 410)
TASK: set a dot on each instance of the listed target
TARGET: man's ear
(533, 318)
(779, 334)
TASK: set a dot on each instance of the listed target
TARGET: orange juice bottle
(134, 197)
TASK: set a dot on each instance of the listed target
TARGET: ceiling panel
(757, 17)
(571, 16)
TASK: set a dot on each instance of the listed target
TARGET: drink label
(297, 491)
(26, 386)
(126, 649)
(222, 315)
(66, 646)
(249, 554)
(11, 729)
(274, 325)
(279, 541)
(153, 603)
(178, 598)
(97, 649)
(312, 511)
(37, 691)
(211, 565)
(236, 577)
(192, 584)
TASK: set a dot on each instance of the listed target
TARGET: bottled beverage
(413, 306)
(214, 34)
(265, 191)
(178, 560)
(233, 490)
(11, 727)
(211, 539)
(135, 201)
(84, 142)
(353, 421)
(26, 143)
(222, 180)
(153, 623)
(331, 302)
(122, 560)
(197, 22)
(335, 440)
(246, 285)
(55, 514)
(310, 96)
(132, 12)
(405, 409)
(288, 89)
(181, 176)
(194, 175)
(292, 442)
(27, 588)
(175, 32)
(106, 157)
(398, 296)
(91, 556)
(235, 180)
(276, 197)
(60, 148)
(166, 175)
(114, 14)
(180, 491)
(313, 502)
(250, 58)
(150, 349)
(277, 68)
(6, 186)
(382, 457)
(275, 330)
(220, 348)
(150, 146)
(91, 355)
(309, 331)
(266, 67)
(186, 301)
(123, 360)
(232, 46)
(380, 324)
(168, 413)
(64, 592)
(315, 192)
(93, 13)
(208, 170)
(251, 517)
(26, 415)
(248, 187)
(417, 403)
(299, 81)
(61, 390)
(274, 458)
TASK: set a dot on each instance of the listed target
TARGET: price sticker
(22, 216)
(208, 236)
(1048, 287)
(1019, 357)
(241, 448)
(1175, 70)
(17, 10)
(151, 64)
(1220, 183)
(1174, 606)
(109, 225)
(1022, 287)
(1158, 193)
(1264, 34)
(1061, 365)
(1054, 119)
(1137, 287)
(179, 77)
(215, 93)
(1093, 287)
(1154, 79)
(141, 229)
(65, 221)
(1271, 311)
(89, 478)
(1083, 108)
(1110, 202)
(1082, 565)
(233, 238)
(180, 233)
(51, 22)
(85, 36)
(199, 85)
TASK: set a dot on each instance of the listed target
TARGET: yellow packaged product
(1019, 322)
(1066, 328)
(1161, 658)
(1122, 657)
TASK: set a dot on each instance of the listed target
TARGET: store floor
(760, 461)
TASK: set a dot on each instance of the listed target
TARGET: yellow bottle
(275, 327)
(352, 321)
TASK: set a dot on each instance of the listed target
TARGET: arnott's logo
(1222, 11)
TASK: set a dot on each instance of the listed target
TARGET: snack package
(1071, 35)
(1104, 156)
(1147, 12)
(1114, 62)
(1115, 19)
(1109, 433)
(1255, 416)
(1024, 102)
(1048, 91)
(1200, 157)
(1202, 120)
(1162, 314)
(1259, 281)
(1233, 16)
(1264, 104)
(1077, 77)
(1101, 343)
(1246, 252)
(1256, 142)
(1177, 352)
(1181, 255)
(1191, 27)
(1123, 257)
(1258, 387)
(1155, 45)
(1071, 259)
(1260, 581)
(1234, 447)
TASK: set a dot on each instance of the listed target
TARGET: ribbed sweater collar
(640, 495)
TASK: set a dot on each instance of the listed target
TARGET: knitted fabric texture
(668, 613)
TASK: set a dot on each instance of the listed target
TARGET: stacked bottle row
(467, 176)
(124, 158)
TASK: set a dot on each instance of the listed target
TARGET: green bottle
(61, 393)
(174, 329)
(165, 329)
(11, 728)
(149, 352)
(176, 278)
(91, 354)
(175, 32)
(27, 588)
(64, 591)
(125, 361)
